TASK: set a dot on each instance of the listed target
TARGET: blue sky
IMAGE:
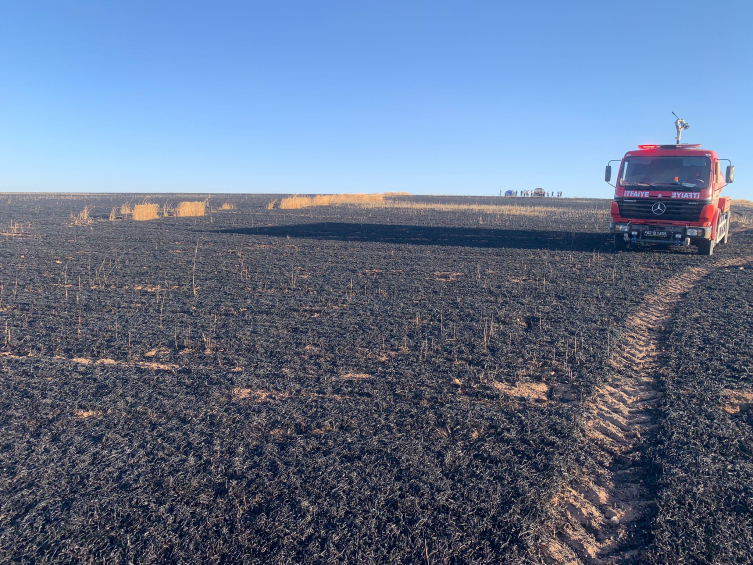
(442, 97)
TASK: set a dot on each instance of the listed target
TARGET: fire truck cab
(670, 195)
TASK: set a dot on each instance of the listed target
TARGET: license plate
(655, 233)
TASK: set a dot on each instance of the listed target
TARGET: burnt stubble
(326, 385)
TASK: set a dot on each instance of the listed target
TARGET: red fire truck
(670, 195)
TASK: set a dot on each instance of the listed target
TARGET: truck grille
(676, 210)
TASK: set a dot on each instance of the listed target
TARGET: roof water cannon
(680, 125)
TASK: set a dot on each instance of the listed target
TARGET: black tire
(706, 247)
(619, 242)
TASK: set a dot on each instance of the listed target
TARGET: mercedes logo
(659, 208)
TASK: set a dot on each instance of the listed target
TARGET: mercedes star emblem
(659, 208)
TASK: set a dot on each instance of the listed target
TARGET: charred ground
(329, 385)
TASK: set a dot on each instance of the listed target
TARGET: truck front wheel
(706, 247)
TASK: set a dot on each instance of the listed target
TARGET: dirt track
(609, 509)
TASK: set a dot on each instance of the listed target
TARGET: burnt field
(354, 384)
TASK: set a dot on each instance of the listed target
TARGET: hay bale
(142, 212)
(186, 209)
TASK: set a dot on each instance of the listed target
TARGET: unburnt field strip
(333, 384)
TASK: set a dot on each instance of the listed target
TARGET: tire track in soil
(607, 507)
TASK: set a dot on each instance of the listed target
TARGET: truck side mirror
(608, 173)
(730, 176)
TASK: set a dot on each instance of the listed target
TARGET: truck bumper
(644, 234)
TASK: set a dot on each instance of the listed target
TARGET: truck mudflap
(643, 234)
(722, 226)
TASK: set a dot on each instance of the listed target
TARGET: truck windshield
(651, 171)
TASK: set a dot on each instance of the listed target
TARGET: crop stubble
(330, 386)
(611, 505)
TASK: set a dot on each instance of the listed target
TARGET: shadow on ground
(435, 235)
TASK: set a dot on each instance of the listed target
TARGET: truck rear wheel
(619, 242)
(706, 247)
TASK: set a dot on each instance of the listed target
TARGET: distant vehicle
(670, 195)
(509, 193)
(539, 192)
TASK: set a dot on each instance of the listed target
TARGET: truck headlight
(624, 228)
(691, 232)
